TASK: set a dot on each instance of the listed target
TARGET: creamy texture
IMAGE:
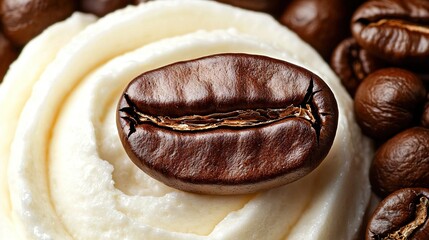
(65, 175)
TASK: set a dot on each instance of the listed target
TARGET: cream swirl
(65, 175)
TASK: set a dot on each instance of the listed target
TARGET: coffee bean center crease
(238, 118)
(406, 231)
(413, 27)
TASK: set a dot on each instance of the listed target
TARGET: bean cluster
(385, 66)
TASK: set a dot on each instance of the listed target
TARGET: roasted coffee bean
(402, 161)
(352, 64)
(388, 101)
(7, 55)
(403, 215)
(395, 30)
(321, 23)
(102, 7)
(24, 19)
(228, 123)
(269, 6)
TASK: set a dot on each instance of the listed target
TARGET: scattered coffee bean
(388, 101)
(395, 30)
(352, 64)
(401, 162)
(102, 7)
(269, 6)
(403, 215)
(321, 23)
(227, 124)
(7, 54)
(24, 19)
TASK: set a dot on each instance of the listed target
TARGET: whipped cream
(65, 175)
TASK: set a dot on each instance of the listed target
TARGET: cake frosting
(65, 175)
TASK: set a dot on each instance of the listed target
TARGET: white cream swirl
(65, 175)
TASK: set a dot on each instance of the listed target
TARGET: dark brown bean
(7, 54)
(227, 124)
(388, 101)
(352, 64)
(24, 19)
(402, 161)
(102, 7)
(269, 6)
(395, 30)
(321, 23)
(403, 215)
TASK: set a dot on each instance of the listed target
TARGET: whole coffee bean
(402, 215)
(388, 101)
(228, 123)
(269, 6)
(7, 55)
(102, 7)
(24, 19)
(402, 161)
(395, 30)
(352, 64)
(321, 23)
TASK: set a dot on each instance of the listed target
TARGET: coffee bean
(402, 215)
(321, 23)
(395, 30)
(24, 19)
(7, 55)
(227, 124)
(269, 6)
(402, 161)
(102, 7)
(352, 64)
(388, 101)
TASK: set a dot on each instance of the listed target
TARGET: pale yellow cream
(65, 175)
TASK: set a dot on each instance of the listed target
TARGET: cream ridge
(65, 175)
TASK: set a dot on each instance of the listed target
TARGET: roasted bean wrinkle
(24, 19)
(228, 123)
(395, 30)
(401, 215)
